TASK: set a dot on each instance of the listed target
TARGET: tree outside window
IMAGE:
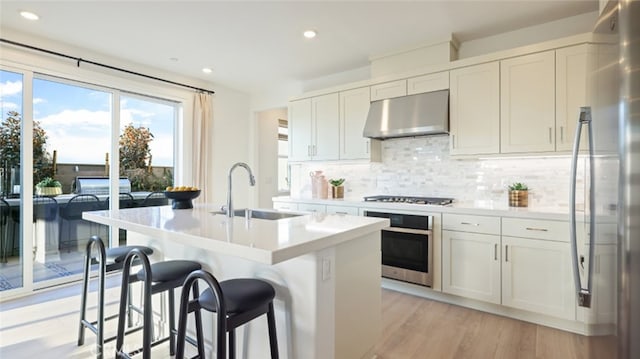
(135, 160)
(10, 152)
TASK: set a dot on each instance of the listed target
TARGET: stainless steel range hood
(415, 115)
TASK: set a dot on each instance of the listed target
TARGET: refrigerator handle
(584, 294)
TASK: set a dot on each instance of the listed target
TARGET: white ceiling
(252, 45)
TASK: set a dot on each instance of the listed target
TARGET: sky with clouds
(77, 119)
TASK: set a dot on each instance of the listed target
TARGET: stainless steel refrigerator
(606, 231)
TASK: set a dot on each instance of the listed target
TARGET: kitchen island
(325, 268)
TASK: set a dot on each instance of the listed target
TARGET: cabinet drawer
(285, 206)
(470, 223)
(536, 228)
(353, 211)
(311, 207)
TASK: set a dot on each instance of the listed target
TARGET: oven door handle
(426, 232)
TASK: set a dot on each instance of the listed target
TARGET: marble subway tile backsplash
(422, 166)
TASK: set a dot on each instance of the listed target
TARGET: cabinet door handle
(366, 147)
(495, 252)
(537, 229)
(309, 150)
(506, 253)
(453, 141)
(470, 224)
(562, 134)
(550, 139)
(342, 213)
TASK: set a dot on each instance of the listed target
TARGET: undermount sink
(261, 214)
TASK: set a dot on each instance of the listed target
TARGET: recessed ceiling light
(29, 15)
(207, 70)
(310, 34)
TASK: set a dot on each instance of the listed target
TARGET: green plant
(134, 147)
(518, 186)
(142, 180)
(49, 182)
(336, 182)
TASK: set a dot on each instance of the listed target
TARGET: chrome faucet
(252, 182)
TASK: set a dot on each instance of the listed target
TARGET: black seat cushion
(239, 295)
(118, 254)
(170, 270)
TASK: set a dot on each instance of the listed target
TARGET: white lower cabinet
(536, 276)
(471, 265)
(522, 269)
(312, 207)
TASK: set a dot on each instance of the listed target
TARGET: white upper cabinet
(389, 90)
(326, 120)
(314, 128)
(300, 130)
(527, 103)
(573, 65)
(428, 83)
(354, 107)
(475, 109)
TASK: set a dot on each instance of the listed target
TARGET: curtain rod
(80, 60)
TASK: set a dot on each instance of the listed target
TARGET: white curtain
(201, 145)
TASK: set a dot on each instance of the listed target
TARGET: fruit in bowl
(182, 196)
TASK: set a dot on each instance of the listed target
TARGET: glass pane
(11, 258)
(146, 148)
(75, 124)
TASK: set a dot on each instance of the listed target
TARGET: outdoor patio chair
(71, 218)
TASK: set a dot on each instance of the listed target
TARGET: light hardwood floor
(418, 328)
(44, 325)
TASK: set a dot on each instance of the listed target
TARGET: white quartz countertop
(264, 241)
(482, 208)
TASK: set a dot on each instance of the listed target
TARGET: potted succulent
(48, 187)
(518, 195)
(337, 188)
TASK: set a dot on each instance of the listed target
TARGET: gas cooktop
(410, 200)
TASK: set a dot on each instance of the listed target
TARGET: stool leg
(101, 290)
(273, 339)
(198, 314)
(121, 315)
(232, 344)
(130, 305)
(172, 323)
(83, 301)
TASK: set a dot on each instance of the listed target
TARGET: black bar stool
(237, 301)
(157, 278)
(109, 260)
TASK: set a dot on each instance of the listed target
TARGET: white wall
(574, 25)
(267, 148)
(231, 139)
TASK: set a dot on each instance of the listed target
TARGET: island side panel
(304, 302)
(358, 320)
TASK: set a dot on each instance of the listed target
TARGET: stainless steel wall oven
(407, 247)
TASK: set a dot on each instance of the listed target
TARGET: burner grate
(437, 201)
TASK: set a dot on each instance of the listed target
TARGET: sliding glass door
(55, 134)
(12, 251)
(73, 122)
